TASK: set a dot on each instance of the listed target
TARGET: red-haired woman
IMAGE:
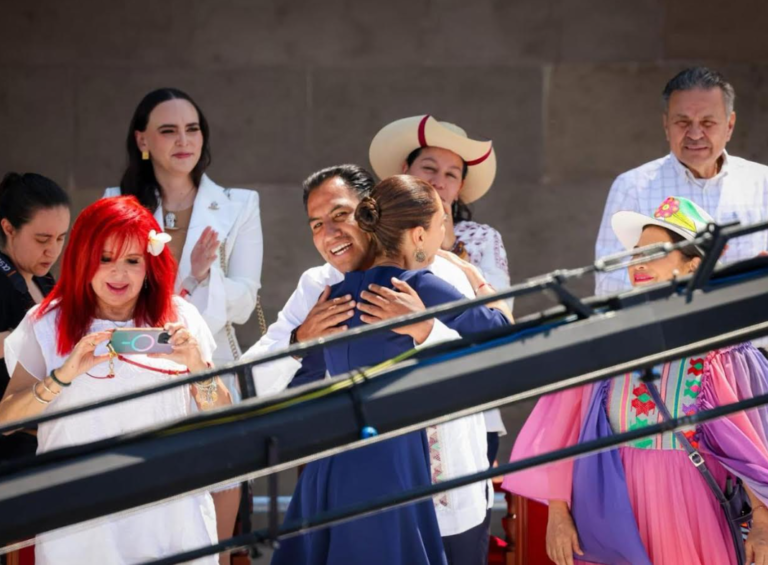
(116, 272)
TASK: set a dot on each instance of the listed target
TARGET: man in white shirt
(698, 121)
(331, 196)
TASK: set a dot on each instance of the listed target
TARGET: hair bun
(9, 180)
(368, 214)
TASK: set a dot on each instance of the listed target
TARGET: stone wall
(567, 89)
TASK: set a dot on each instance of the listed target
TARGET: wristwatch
(293, 341)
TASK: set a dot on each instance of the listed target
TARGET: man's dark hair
(356, 178)
(702, 78)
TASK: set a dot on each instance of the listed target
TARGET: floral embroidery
(670, 212)
(645, 443)
(692, 388)
(435, 462)
(668, 208)
(690, 435)
(689, 409)
(631, 407)
(697, 367)
(643, 403)
(480, 240)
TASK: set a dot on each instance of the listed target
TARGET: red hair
(125, 220)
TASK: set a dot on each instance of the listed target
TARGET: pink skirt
(679, 519)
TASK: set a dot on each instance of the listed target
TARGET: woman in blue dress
(405, 220)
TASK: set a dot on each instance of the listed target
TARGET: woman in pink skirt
(646, 502)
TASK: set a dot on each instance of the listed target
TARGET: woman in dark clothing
(34, 219)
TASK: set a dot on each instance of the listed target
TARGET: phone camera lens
(164, 337)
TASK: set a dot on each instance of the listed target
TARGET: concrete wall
(567, 89)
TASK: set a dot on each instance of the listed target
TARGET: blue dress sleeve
(434, 291)
(312, 369)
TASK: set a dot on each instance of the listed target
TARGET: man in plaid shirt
(698, 121)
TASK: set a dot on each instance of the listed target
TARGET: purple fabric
(601, 508)
(738, 441)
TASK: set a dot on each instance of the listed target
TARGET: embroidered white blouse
(180, 525)
(485, 250)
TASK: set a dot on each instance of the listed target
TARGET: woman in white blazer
(217, 239)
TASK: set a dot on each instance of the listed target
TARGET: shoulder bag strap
(259, 311)
(693, 453)
(9, 270)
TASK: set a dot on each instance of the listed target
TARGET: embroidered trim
(436, 463)
(642, 403)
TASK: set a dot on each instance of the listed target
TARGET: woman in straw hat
(649, 501)
(462, 171)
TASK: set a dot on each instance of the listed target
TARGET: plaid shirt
(738, 192)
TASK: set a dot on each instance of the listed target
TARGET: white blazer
(226, 297)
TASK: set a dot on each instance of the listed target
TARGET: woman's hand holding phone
(83, 359)
(186, 350)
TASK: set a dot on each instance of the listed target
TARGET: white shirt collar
(686, 173)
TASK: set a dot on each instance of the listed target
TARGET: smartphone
(141, 341)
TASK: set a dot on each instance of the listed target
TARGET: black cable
(365, 430)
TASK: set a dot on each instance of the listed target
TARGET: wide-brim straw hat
(392, 145)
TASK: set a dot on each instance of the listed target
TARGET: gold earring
(145, 155)
(420, 256)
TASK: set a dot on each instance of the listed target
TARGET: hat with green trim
(676, 214)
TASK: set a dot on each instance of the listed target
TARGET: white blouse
(164, 529)
(485, 250)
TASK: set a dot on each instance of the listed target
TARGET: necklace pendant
(170, 221)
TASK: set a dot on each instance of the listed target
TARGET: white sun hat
(677, 214)
(392, 145)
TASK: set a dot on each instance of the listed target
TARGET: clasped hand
(378, 304)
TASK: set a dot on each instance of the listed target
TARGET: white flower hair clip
(157, 242)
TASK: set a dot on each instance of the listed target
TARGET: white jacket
(226, 296)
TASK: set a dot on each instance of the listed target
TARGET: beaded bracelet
(57, 381)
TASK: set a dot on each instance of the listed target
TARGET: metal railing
(572, 309)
